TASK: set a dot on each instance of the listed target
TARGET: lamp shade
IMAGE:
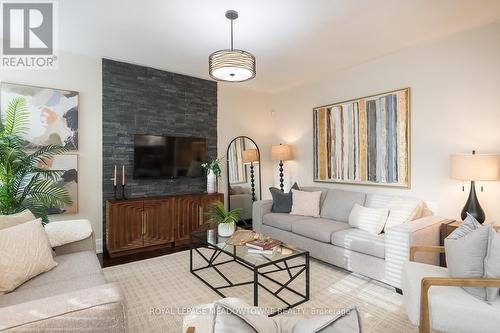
(231, 65)
(474, 167)
(281, 152)
(250, 155)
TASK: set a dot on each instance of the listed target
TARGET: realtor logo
(28, 35)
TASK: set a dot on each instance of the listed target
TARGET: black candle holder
(114, 191)
(123, 192)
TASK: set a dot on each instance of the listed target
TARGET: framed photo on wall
(54, 114)
(364, 141)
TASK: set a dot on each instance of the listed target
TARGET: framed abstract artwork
(54, 114)
(68, 178)
(364, 141)
(237, 169)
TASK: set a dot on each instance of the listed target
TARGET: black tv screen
(158, 156)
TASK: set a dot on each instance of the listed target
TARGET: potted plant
(213, 172)
(25, 181)
(223, 219)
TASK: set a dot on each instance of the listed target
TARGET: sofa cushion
(403, 210)
(338, 204)
(323, 191)
(318, 229)
(22, 295)
(69, 266)
(375, 200)
(281, 221)
(361, 241)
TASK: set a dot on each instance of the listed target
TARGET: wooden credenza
(135, 225)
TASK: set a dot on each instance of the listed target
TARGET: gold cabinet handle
(142, 223)
(146, 224)
(200, 215)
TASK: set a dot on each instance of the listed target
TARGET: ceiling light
(231, 65)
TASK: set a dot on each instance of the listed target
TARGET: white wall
(82, 74)
(455, 106)
(245, 112)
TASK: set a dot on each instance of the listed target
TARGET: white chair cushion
(492, 263)
(452, 309)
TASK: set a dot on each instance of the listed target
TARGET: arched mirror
(243, 176)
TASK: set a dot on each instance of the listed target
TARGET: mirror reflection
(244, 179)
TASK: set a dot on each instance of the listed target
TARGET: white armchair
(435, 300)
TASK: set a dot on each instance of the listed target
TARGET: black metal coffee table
(280, 260)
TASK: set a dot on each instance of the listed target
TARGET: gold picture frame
(364, 141)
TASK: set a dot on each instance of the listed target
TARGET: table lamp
(251, 156)
(281, 153)
(474, 167)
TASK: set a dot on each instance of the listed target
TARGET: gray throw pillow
(282, 201)
(492, 264)
(466, 250)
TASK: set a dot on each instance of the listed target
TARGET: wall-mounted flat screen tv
(159, 156)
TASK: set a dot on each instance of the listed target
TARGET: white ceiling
(294, 41)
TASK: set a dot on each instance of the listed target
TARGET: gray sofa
(331, 239)
(73, 296)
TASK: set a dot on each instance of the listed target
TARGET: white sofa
(333, 240)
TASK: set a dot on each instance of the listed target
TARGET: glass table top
(282, 252)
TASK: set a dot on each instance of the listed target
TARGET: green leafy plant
(213, 165)
(25, 181)
(219, 214)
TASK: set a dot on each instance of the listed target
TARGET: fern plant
(219, 214)
(24, 182)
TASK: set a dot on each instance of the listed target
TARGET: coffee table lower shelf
(281, 265)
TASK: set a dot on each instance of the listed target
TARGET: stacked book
(263, 246)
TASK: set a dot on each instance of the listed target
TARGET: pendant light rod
(232, 35)
(231, 15)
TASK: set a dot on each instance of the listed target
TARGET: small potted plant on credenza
(224, 220)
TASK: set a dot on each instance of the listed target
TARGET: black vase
(472, 206)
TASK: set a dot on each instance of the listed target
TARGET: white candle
(114, 178)
(123, 174)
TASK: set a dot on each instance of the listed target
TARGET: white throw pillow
(305, 203)
(7, 221)
(403, 210)
(234, 315)
(25, 253)
(371, 220)
(466, 250)
(492, 263)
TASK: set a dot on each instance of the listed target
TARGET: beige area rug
(158, 290)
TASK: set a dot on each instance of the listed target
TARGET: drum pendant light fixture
(231, 65)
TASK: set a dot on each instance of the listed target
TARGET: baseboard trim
(98, 245)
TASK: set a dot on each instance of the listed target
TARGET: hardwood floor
(107, 261)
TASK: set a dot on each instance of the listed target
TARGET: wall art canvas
(68, 165)
(54, 114)
(364, 141)
(237, 169)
